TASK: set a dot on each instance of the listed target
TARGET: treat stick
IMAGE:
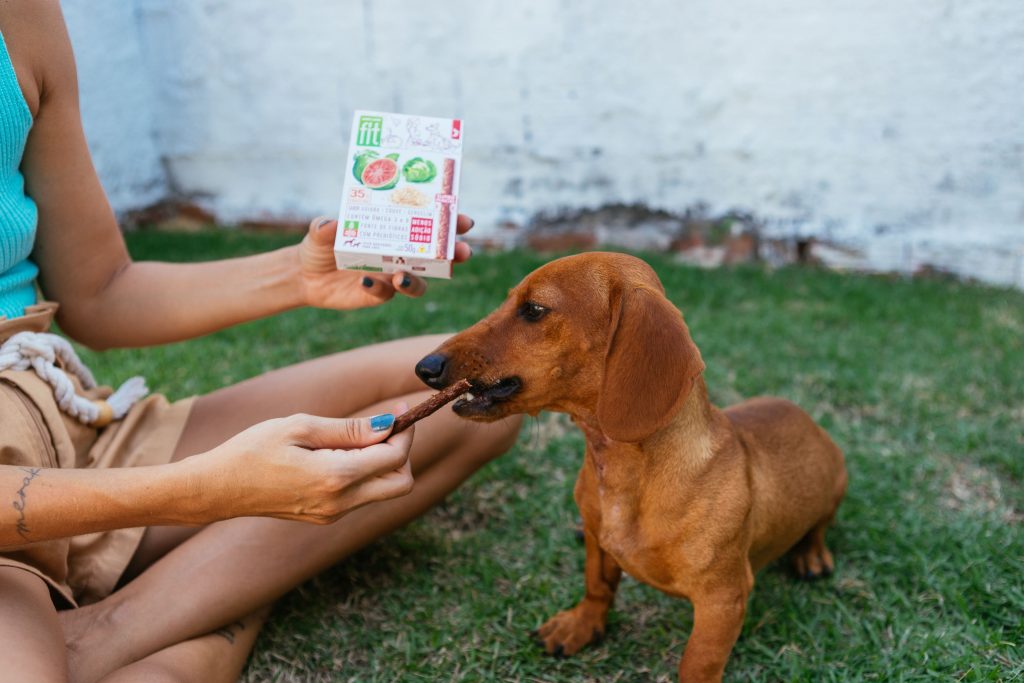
(431, 405)
(444, 217)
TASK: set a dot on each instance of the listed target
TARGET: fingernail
(471, 222)
(382, 422)
(367, 282)
(406, 282)
(322, 223)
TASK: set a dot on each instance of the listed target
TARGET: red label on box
(456, 129)
(421, 229)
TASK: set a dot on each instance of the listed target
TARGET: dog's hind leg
(811, 557)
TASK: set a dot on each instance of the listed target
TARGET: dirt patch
(974, 489)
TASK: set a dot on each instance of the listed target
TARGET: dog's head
(591, 335)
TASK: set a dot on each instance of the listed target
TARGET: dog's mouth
(482, 397)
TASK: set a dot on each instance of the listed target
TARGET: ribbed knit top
(18, 213)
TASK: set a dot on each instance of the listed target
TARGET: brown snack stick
(431, 405)
(444, 219)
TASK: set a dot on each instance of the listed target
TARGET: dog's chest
(634, 524)
(646, 554)
(619, 533)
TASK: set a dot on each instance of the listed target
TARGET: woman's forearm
(149, 303)
(41, 504)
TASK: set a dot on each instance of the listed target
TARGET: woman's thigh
(33, 642)
(337, 385)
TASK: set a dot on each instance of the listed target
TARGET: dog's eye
(532, 312)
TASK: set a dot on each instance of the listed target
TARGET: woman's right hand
(305, 468)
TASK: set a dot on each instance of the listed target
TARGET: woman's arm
(108, 300)
(47, 503)
(304, 468)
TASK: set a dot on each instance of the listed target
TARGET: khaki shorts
(35, 433)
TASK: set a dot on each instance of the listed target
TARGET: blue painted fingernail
(406, 282)
(322, 223)
(382, 423)
(367, 282)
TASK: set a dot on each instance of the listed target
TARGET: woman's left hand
(325, 286)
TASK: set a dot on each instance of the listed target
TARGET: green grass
(920, 382)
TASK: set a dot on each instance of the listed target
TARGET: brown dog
(688, 498)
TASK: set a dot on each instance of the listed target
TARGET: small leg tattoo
(228, 632)
(19, 504)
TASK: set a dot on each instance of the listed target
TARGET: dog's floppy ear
(650, 366)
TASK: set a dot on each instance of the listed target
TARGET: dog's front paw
(568, 632)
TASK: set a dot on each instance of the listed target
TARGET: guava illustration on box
(361, 160)
(374, 171)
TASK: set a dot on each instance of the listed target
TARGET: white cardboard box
(399, 202)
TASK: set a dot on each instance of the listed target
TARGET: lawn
(920, 382)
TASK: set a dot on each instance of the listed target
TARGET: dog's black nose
(432, 370)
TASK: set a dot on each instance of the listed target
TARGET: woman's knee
(33, 642)
(482, 442)
(459, 445)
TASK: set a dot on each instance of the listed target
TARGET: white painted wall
(887, 126)
(117, 103)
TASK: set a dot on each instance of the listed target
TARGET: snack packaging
(400, 196)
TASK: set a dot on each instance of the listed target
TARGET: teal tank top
(18, 214)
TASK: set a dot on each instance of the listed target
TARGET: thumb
(341, 433)
(322, 231)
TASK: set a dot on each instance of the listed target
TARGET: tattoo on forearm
(19, 504)
(228, 632)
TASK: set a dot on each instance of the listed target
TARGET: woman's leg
(217, 657)
(229, 569)
(32, 641)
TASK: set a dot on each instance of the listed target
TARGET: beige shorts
(35, 433)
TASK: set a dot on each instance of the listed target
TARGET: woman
(195, 585)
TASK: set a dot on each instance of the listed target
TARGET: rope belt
(40, 351)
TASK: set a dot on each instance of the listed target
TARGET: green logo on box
(350, 229)
(369, 131)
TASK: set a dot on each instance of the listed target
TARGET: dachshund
(682, 495)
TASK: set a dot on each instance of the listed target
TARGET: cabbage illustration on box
(400, 197)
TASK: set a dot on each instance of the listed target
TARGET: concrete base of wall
(986, 256)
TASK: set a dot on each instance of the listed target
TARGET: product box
(400, 197)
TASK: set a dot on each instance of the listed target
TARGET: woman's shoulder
(38, 45)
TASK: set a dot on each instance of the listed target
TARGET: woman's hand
(324, 286)
(305, 468)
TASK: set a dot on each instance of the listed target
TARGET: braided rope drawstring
(40, 351)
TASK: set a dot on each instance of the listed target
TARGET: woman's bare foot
(215, 657)
(99, 650)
